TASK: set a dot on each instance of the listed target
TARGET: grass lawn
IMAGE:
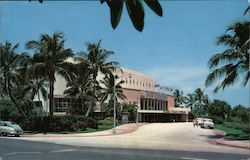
(88, 130)
(232, 133)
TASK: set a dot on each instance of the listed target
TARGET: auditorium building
(155, 102)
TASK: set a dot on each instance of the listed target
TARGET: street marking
(63, 150)
(13, 153)
(192, 158)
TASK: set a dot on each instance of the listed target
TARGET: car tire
(17, 135)
(4, 134)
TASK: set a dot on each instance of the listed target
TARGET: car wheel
(17, 135)
(4, 134)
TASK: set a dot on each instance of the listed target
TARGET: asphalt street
(17, 149)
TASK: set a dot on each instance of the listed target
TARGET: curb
(222, 141)
(70, 136)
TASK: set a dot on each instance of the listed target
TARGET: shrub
(59, 123)
(107, 121)
(217, 120)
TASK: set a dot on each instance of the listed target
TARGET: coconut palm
(111, 90)
(178, 98)
(227, 67)
(11, 62)
(81, 87)
(37, 87)
(190, 101)
(49, 60)
(96, 60)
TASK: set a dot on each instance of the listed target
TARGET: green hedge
(107, 121)
(59, 123)
(237, 125)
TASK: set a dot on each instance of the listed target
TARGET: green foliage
(219, 108)
(233, 63)
(107, 121)
(233, 133)
(135, 10)
(8, 110)
(59, 123)
(241, 113)
(131, 108)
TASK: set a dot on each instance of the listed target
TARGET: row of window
(153, 104)
(63, 104)
(138, 83)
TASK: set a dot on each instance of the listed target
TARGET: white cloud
(183, 78)
(188, 78)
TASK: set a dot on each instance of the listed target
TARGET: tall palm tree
(178, 98)
(97, 60)
(49, 60)
(190, 101)
(232, 63)
(11, 62)
(111, 90)
(81, 87)
(37, 87)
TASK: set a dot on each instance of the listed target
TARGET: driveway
(159, 136)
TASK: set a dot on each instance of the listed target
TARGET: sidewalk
(234, 143)
(125, 128)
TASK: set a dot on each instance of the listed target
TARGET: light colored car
(199, 121)
(10, 128)
(207, 123)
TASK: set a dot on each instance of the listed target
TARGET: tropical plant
(232, 63)
(49, 60)
(131, 108)
(135, 11)
(190, 101)
(111, 88)
(96, 60)
(178, 98)
(81, 87)
(11, 63)
(219, 108)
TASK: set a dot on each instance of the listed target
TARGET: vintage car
(207, 123)
(10, 128)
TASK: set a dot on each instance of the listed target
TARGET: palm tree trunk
(14, 101)
(51, 98)
(93, 98)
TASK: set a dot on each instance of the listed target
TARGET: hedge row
(237, 125)
(59, 123)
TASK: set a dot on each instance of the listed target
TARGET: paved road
(14, 149)
(158, 141)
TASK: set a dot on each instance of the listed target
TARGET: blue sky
(173, 49)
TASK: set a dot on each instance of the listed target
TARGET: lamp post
(114, 130)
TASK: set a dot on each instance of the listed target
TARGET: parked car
(10, 128)
(207, 123)
(198, 121)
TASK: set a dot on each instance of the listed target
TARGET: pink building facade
(155, 102)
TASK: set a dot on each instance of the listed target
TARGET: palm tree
(190, 101)
(37, 86)
(11, 62)
(49, 60)
(178, 98)
(96, 59)
(111, 90)
(81, 87)
(232, 63)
